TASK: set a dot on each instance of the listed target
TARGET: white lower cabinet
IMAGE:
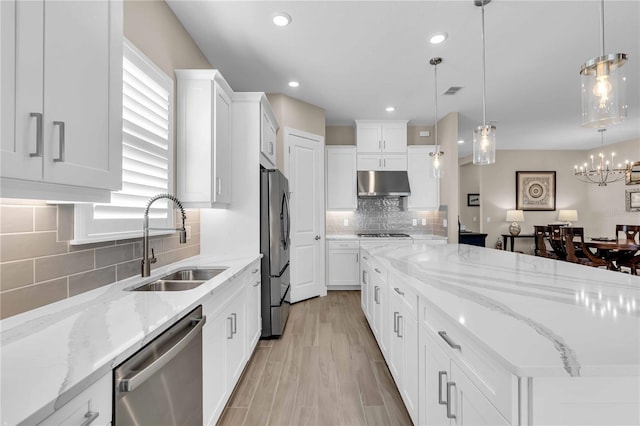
(92, 407)
(344, 265)
(379, 323)
(365, 285)
(448, 396)
(254, 299)
(228, 339)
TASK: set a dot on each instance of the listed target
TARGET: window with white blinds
(147, 157)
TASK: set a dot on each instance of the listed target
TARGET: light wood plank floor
(326, 369)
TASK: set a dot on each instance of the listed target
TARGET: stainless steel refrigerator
(275, 231)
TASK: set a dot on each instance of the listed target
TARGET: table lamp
(515, 216)
(568, 216)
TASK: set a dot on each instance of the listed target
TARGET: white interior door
(304, 168)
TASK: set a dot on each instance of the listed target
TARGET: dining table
(612, 249)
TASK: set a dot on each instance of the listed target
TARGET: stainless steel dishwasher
(162, 383)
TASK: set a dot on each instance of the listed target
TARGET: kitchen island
(504, 338)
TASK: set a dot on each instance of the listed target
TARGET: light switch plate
(445, 222)
(424, 222)
(345, 222)
(414, 222)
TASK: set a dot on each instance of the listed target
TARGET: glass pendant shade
(484, 144)
(437, 163)
(603, 91)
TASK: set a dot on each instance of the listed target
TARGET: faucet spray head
(183, 236)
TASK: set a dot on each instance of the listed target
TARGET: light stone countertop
(51, 354)
(356, 237)
(536, 316)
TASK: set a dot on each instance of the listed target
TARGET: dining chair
(541, 234)
(573, 239)
(631, 232)
(555, 241)
(629, 259)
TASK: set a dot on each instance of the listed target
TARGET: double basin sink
(180, 280)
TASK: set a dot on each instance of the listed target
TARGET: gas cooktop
(383, 235)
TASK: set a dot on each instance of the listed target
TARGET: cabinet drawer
(405, 292)
(497, 384)
(92, 403)
(335, 245)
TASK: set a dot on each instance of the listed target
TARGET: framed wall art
(632, 200)
(473, 200)
(535, 191)
(633, 176)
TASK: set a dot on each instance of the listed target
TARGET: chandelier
(602, 170)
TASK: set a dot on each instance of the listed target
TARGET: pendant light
(436, 155)
(603, 95)
(484, 136)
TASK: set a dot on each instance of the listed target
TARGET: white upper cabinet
(382, 162)
(61, 84)
(341, 178)
(381, 136)
(204, 138)
(268, 128)
(425, 188)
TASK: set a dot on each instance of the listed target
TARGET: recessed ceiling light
(281, 19)
(294, 84)
(438, 38)
(460, 141)
(390, 109)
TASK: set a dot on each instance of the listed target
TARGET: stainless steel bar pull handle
(441, 374)
(256, 270)
(257, 284)
(230, 336)
(384, 144)
(234, 330)
(397, 290)
(90, 416)
(39, 136)
(364, 277)
(270, 147)
(395, 322)
(450, 385)
(131, 383)
(375, 294)
(218, 185)
(377, 270)
(450, 342)
(399, 318)
(60, 157)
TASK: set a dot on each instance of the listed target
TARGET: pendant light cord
(435, 73)
(602, 25)
(484, 77)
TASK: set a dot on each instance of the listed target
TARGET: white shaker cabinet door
(214, 359)
(268, 137)
(394, 137)
(435, 372)
(83, 93)
(394, 162)
(369, 137)
(222, 149)
(21, 67)
(254, 299)
(341, 178)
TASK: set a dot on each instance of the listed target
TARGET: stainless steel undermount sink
(194, 274)
(180, 280)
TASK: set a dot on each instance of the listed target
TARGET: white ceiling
(354, 58)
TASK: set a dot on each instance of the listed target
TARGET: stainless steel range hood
(383, 184)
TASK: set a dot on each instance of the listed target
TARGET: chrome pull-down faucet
(146, 260)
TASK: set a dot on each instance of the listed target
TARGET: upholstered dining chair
(631, 232)
(577, 252)
(541, 234)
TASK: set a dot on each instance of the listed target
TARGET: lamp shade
(568, 215)
(515, 216)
